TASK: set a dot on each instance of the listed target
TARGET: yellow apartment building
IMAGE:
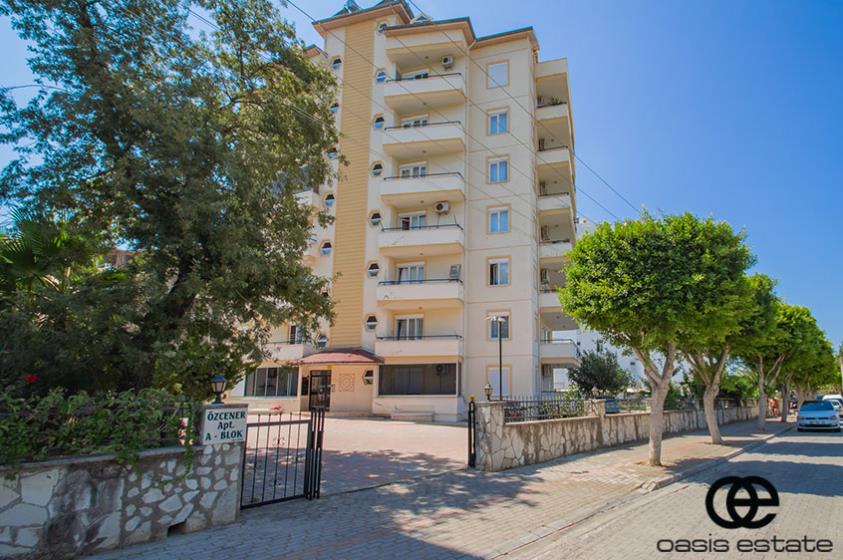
(452, 221)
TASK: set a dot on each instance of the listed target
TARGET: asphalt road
(805, 468)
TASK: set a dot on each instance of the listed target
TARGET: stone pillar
(598, 407)
(489, 420)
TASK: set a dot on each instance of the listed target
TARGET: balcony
(422, 241)
(411, 294)
(554, 157)
(408, 192)
(555, 203)
(552, 111)
(418, 142)
(559, 351)
(288, 351)
(420, 94)
(554, 249)
(309, 198)
(447, 345)
(549, 300)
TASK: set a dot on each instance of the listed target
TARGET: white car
(837, 400)
(818, 415)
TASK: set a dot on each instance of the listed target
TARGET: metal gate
(472, 434)
(282, 458)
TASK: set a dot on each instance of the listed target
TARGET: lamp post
(500, 321)
(487, 389)
(218, 384)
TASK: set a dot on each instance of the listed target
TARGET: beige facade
(457, 205)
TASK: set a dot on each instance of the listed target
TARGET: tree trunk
(657, 421)
(785, 408)
(709, 396)
(762, 404)
(800, 396)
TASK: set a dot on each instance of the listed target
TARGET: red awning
(353, 356)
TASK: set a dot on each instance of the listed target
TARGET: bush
(56, 425)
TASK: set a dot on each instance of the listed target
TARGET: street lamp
(218, 384)
(487, 389)
(500, 320)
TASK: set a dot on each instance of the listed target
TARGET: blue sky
(723, 108)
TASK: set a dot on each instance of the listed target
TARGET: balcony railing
(551, 148)
(442, 174)
(423, 337)
(414, 78)
(554, 241)
(420, 228)
(425, 125)
(425, 281)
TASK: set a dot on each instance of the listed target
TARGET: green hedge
(58, 425)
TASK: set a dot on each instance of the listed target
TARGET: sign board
(224, 424)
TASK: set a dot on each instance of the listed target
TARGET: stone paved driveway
(459, 514)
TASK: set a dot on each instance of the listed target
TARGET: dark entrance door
(320, 389)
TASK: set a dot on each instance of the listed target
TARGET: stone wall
(68, 507)
(504, 446)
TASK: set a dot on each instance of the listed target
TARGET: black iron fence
(546, 407)
(282, 458)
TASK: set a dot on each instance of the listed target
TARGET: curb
(653, 485)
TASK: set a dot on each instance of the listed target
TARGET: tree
(647, 285)
(600, 370)
(808, 364)
(187, 150)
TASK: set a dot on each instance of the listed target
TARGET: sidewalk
(464, 514)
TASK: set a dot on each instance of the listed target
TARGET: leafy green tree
(810, 365)
(649, 285)
(187, 149)
(601, 371)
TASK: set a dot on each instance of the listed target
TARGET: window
(272, 382)
(497, 75)
(326, 249)
(373, 270)
(413, 170)
(336, 64)
(416, 75)
(499, 323)
(295, 335)
(410, 272)
(379, 122)
(499, 170)
(329, 201)
(499, 272)
(371, 322)
(413, 221)
(380, 76)
(498, 220)
(321, 341)
(498, 122)
(495, 380)
(335, 107)
(332, 154)
(377, 169)
(408, 328)
(375, 219)
(414, 121)
(420, 379)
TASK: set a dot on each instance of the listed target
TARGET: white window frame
(502, 275)
(496, 164)
(495, 116)
(495, 214)
(417, 169)
(415, 272)
(418, 329)
(415, 121)
(491, 327)
(492, 82)
(419, 216)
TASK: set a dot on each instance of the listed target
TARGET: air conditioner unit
(447, 62)
(442, 207)
(455, 272)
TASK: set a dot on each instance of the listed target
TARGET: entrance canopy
(351, 356)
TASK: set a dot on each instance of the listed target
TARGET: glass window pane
(271, 382)
(504, 220)
(260, 382)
